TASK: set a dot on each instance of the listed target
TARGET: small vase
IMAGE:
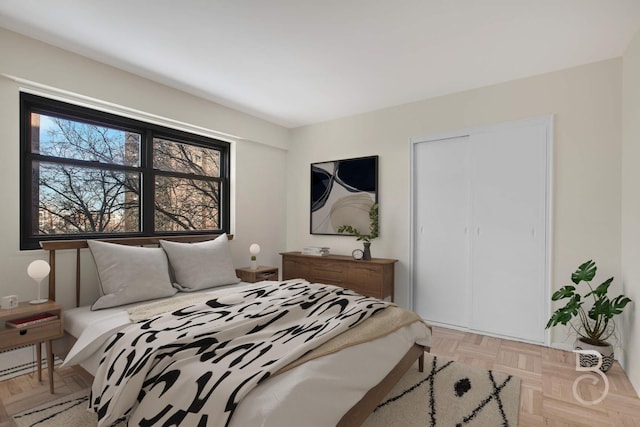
(587, 360)
(367, 251)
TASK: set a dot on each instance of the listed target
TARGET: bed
(338, 383)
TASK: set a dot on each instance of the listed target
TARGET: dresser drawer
(293, 269)
(367, 290)
(372, 278)
(365, 275)
(326, 274)
(366, 279)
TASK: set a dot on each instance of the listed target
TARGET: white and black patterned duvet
(192, 367)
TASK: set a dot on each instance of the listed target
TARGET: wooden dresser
(373, 278)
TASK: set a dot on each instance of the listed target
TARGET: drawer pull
(329, 269)
(23, 332)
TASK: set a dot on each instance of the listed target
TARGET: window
(86, 173)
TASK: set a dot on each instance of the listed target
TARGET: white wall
(586, 102)
(631, 205)
(259, 179)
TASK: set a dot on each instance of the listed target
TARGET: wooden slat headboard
(54, 245)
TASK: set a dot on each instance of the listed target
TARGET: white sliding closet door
(480, 229)
(441, 255)
(509, 235)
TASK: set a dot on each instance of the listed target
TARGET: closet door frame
(548, 122)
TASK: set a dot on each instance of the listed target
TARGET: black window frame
(30, 103)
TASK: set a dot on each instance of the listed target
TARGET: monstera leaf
(585, 273)
(593, 324)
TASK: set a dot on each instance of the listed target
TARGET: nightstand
(47, 331)
(246, 274)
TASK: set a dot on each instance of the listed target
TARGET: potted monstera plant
(594, 324)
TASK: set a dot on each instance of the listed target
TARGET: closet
(480, 228)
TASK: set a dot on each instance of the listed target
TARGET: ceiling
(296, 62)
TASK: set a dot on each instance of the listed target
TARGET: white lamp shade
(38, 270)
(254, 249)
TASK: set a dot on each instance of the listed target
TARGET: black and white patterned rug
(450, 394)
(446, 394)
(20, 361)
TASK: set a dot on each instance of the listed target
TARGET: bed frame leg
(421, 363)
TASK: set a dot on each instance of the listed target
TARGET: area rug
(446, 394)
(67, 411)
(450, 394)
(20, 361)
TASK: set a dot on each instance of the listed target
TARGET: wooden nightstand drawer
(30, 334)
(267, 275)
(261, 273)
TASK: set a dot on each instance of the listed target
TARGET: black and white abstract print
(342, 192)
(192, 367)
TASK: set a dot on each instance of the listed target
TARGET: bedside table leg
(50, 364)
(39, 360)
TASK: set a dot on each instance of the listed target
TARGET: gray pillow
(201, 265)
(129, 274)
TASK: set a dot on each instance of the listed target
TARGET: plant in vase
(365, 238)
(595, 325)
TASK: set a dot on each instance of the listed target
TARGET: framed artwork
(342, 193)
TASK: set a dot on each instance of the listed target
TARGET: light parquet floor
(547, 375)
(546, 394)
(24, 392)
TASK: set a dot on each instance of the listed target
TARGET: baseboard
(636, 387)
(621, 360)
(479, 332)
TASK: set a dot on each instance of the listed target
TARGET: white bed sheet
(319, 392)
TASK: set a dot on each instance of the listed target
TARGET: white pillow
(201, 265)
(129, 273)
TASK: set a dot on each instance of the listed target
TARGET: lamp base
(38, 301)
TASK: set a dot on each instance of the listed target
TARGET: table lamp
(254, 249)
(38, 270)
